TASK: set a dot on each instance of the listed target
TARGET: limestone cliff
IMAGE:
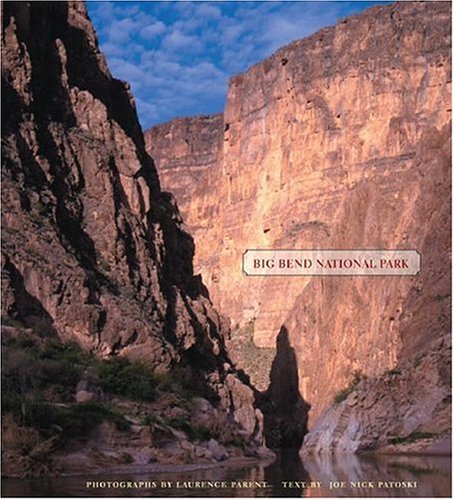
(92, 248)
(340, 140)
(185, 151)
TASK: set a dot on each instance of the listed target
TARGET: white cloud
(153, 30)
(177, 40)
(113, 49)
(148, 110)
(120, 31)
(208, 10)
(178, 55)
(128, 71)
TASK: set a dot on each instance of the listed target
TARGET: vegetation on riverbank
(55, 392)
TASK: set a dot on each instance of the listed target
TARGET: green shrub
(39, 414)
(104, 265)
(175, 382)
(152, 419)
(418, 360)
(19, 378)
(238, 441)
(11, 401)
(181, 390)
(69, 353)
(122, 377)
(22, 340)
(39, 364)
(197, 432)
(41, 326)
(58, 373)
(126, 458)
(75, 420)
(342, 395)
(7, 321)
(411, 438)
(35, 370)
(82, 417)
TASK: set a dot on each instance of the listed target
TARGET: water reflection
(288, 467)
(418, 476)
(386, 476)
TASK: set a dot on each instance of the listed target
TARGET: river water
(341, 476)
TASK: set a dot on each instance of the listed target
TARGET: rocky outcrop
(92, 248)
(414, 399)
(340, 140)
(185, 150)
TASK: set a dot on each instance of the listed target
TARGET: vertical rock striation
(92, 247)
(340, 140)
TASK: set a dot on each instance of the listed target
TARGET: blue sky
(178, 56)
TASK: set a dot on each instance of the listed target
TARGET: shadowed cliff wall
(91, 245)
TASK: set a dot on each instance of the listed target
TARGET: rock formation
(413, 399)
(92, 248)
(340, 140)
(186, 149)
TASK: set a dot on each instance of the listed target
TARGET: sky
(178, 56)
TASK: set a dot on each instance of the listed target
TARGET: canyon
(341, 141)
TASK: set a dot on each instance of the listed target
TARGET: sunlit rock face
(92, 247)
(185, 150)
(340, 140)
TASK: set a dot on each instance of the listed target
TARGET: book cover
(226, 249)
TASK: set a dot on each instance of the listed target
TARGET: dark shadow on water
(287, 467)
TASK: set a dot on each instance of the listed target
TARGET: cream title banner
(331, 263)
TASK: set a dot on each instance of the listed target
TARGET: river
(340, 476)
